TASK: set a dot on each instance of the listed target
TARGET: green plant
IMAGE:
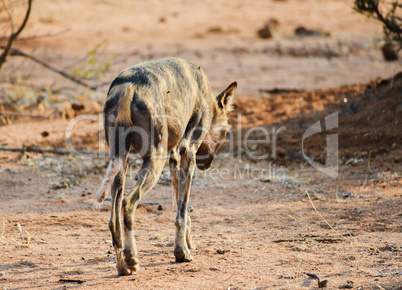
(92, 70)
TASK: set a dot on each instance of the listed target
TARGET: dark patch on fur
(183, 151)
(197, 133)
(191, 124)
(122, 142)
(220, 99)
(157, 130)
(111, 103)
(204, 157)
(110, 106)
(139, 77)
(138, 104)
(173, 161)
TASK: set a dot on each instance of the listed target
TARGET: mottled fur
(162, 109)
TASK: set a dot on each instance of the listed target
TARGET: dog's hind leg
(148, 176)
(115, 226)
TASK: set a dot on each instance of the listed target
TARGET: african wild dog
(159, 109)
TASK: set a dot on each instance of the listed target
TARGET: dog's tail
(126, 93)
(117, 154)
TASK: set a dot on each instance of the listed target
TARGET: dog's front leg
(186, 170)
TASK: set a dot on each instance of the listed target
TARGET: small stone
(216, 29)
(190, 208)
(77, 107)
(389, 52)
(347, 285)
(266, 31)
(222, 251)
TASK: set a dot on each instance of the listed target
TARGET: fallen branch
(320, 240)
(72, 281)
(23, 115)
(38, 149)
(17, 52)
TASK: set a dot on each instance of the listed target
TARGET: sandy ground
(253, 223)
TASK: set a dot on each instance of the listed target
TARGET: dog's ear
(225, 99)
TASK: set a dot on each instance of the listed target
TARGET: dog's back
(171, 89)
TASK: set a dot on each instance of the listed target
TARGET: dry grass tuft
(26, 240)
(3, 276)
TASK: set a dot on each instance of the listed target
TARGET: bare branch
(17, 52)
(391, 21)
(390, 26)
(14, 35)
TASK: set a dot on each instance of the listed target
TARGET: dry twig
(229, 277)
(72, 281)
(311, 201)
